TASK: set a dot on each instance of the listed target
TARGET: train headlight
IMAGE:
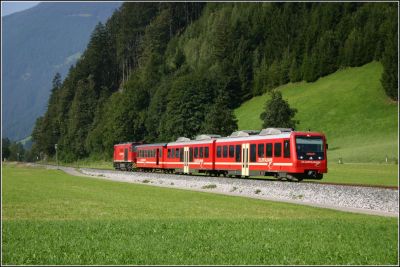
(311, 157)
(319, 157)
(301, 157)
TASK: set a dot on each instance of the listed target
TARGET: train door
(186, 159)
(125, 154)
(157, 156)
(245, 159)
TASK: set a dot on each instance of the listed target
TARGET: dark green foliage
(5, 148)
(12, 151)
(390, 76)
(278, 113)
(157, 71)
(187, 105)
(220, 118)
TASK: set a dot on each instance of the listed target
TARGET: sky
(9, 7)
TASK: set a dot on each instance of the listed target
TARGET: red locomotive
(278, 152)
(125, 156)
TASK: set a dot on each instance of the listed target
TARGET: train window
(206, 152)
(253, 153)
(238, 152)
(218, 151)
(277, 149)
(181, 154)
(268, 150)
(231, 151)
(286, 149)
(177, 153)
(169, 153)
(260, 150)
(225, 153)
(201, 152)
(196, 152)
(191, 154)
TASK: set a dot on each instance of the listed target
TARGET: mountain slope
(37, 43)
(349, 106)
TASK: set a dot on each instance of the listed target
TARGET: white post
(55, 146)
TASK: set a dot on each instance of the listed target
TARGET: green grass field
(49, 217)
(349, 106)
(83, 163)
(362, 173)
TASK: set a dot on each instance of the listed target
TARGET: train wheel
(292, 178)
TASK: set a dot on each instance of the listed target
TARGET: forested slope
(156, 71)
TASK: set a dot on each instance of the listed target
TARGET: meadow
(49, 217)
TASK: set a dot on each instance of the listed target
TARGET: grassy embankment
(53, 218)
(351, 108)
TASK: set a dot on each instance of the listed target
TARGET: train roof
(243, 135)
(149, 145)
(126, 143)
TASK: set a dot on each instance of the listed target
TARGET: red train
(278, 152)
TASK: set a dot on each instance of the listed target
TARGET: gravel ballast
(370, 200)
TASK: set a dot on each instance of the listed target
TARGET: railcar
(150, 156)
(279, 152)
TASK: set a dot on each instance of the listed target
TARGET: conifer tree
(277, 112)
(390, 78)
(220, 119)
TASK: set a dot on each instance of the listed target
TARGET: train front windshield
(310, 148)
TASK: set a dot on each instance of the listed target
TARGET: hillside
(157, 71)
(349, 106)
(37, 43)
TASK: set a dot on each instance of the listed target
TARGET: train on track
(279, 152)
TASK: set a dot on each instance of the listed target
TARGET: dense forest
(156, 71)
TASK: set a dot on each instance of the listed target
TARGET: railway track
(259, 178)
(266, 178)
